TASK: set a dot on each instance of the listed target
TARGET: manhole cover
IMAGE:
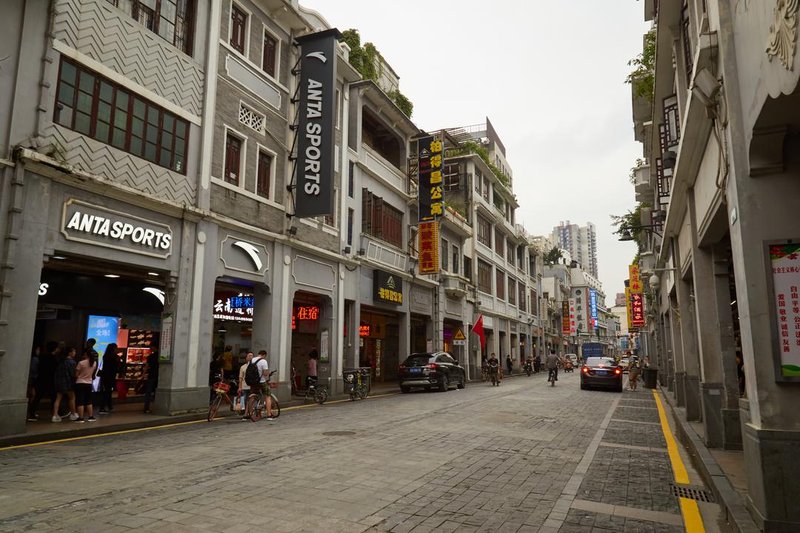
(338, 433)
(692, 493)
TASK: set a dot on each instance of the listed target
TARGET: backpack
(252, 374)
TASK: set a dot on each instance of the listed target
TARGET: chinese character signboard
(388, 288)
(565, 317)
(573, 318)
(431, 190)
(635, 280)
(637, 310)
(233, 306)
(593, 307)
(635, 293)
(628, 311)
(785, 264)
(429, 247)
(316, 125)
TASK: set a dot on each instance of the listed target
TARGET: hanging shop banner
(565, 317)
(573, 318)
(431, 190)
(388, 288)
(628, 311)
(93, 224)
(593, 307)
(316, 125)
(785, 264)
(229, 305)
(429, 247)
(635, 280)
(637, 310)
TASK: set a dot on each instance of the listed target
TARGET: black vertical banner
(431, 192)
(316, 125)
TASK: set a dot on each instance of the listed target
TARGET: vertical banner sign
(635, 290)
(785, 264)
(431, 191)
(565, 318)
(593, 307)
(573, 320)
(628, 311)
(428, 247)
(317, 120)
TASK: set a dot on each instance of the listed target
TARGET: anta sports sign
(93, 224)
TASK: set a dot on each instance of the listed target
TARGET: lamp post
(626, 235)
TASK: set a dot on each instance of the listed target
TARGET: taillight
(585, 369)
(402, 367)
(433, 366)
(617, 370)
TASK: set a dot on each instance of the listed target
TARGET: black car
(601, 372)
(431, 369)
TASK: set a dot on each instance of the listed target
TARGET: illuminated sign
(565, 319)
(304, 312)
(428, 247)
(388, 288)
(431, 191)
(593, 306)
(232, 306)
(637, 310)
(573, 321)
(364, 330)
(785, 263)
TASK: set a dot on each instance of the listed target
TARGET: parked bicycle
(315, 392)
(356, 383)
(256, 404)
(222, 390)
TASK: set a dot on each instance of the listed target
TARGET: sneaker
(32, 418)
(80, 421)
(92, 419)
(73, 416)
(102, 412)
(270, 418)
(55, 418)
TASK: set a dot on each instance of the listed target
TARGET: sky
(550, 77)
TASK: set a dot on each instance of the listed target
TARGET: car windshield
(600, 361)
(417, 359)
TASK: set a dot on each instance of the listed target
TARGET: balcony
(642, 184)
(382, 169)
(454, 286)
(384, 254)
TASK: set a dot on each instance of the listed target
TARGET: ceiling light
(113, 276)
(59, 257)
(153, 274)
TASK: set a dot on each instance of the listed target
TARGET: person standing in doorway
(150, 385)
(227, 362)
(33, 377)
(64, 382)
(244, 388)
(108, 378)
(84, 375)
(509, 364)
(311, 378)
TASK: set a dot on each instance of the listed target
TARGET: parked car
(431, 369)
(601, 372)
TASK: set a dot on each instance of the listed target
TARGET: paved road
(520, 457)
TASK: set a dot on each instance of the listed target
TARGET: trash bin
(650, 376)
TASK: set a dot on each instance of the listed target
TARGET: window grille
(251, 119)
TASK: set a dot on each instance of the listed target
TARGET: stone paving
(482, 459)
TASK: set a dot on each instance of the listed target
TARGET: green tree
(642, 77)
(552, 257)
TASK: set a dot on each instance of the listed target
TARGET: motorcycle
(528, 368)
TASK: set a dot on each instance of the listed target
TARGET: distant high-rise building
(620, 299)
(581, 242)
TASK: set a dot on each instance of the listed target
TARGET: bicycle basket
(221, 387)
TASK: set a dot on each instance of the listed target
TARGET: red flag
(478, 330)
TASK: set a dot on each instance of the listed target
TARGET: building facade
(580, 242)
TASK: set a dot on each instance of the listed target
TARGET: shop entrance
(310, 339)
(379, 341)
(234, 306)
(455, 340)
(419, 334)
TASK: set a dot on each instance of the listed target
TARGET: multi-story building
(721, 256)
(580, 241)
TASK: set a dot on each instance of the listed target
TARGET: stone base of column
(680, 389)
(181, 401)
(693, 407)
(773, 477)
(731, 430)
(13, 413)
(711, 395)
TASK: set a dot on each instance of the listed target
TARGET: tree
(552, 257)
(642, 78)
(630, 224)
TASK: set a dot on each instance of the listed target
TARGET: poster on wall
(165, 348)
(104, 330)
(785, 265)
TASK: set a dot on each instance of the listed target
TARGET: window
(484, 231)
(98, 108)
(172, 20)
(478, 180)
(264, 179)
(380, 220)
(351, 214)
(233, 159)
(444, 254)
(499, 242)
(468, 267)
(251, 119)
(484, 276)
(522, 306)
(452, 178)
(500, 278)
(512, 291)
(456, 257)
(351, 186)
(510, 252)
(238, 28)
(270, 57)
(485, 188)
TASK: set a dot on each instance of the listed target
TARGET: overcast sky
(550, 77)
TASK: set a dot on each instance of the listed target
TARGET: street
(519, 457)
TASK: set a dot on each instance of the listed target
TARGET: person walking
(151, 383)
(509, 364)
(84, 375)
(244, 388)
(108, 378)
(45, 381)
(33, 377)
(64, 383)
(633, 373)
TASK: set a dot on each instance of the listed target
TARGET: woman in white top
(244, 388)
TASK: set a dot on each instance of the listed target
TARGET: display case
(140, 344)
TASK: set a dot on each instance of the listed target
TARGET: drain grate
(692, 493)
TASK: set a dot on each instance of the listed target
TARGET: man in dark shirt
(152, 379)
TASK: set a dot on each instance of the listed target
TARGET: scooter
(528, 368)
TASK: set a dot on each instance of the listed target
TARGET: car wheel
(463, 383)
(583, 386)
(405, 389)
(444, 385)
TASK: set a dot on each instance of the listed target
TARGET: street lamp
(626, 235)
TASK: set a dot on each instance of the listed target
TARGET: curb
(730, 501)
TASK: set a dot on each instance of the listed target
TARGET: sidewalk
(128, 416)
(722, 470)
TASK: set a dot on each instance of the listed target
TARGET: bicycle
(315, 391)
(256, 402)
(356, 386)
(221, 392)
(552, 376)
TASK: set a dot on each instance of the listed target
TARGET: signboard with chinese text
(635, 281)
(565, 321)
(637, 310)
(573, 319)
(388, 288)
(233, 306)
(428, 247)
(431, 190)
(628, 311)
(635, 293)
(785, 266)
(593, 307)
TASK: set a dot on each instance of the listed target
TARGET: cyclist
(552, 366)
(263, 366)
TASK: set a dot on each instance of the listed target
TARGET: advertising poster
(785, 264)
(104, 330)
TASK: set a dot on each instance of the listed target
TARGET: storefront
(454, 339)
(233, 323)
(379, 343)
(307, 335)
